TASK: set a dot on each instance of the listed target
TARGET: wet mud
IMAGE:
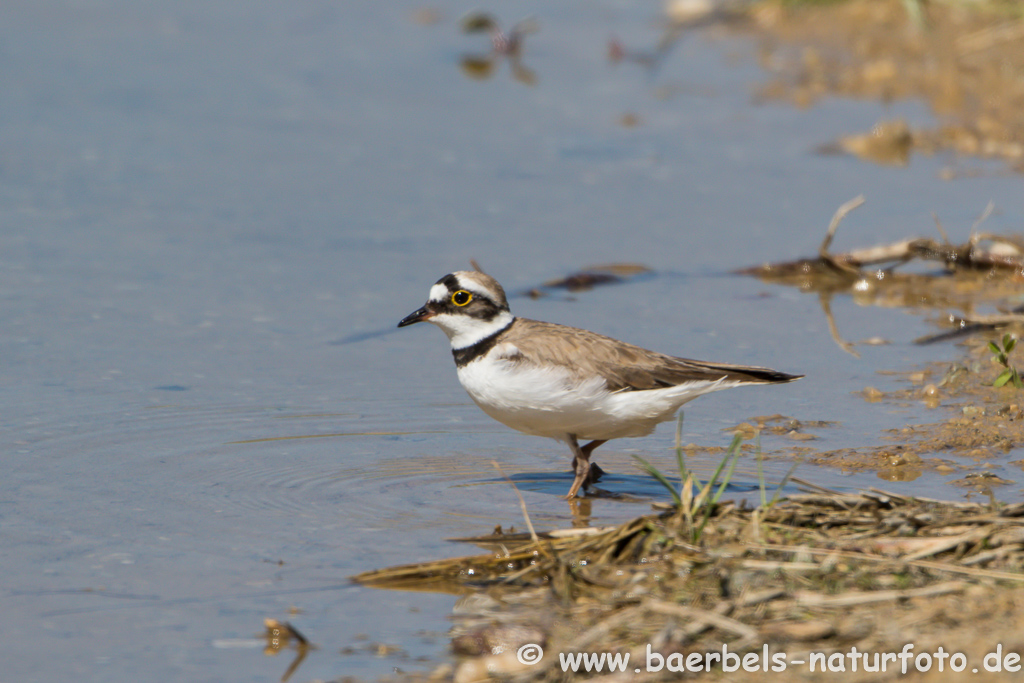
(963, 59)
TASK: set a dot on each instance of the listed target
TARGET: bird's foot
(586, 481)
(580, 481)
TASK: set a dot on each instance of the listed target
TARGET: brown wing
(623, 366)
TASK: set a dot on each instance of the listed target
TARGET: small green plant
(1009, 374)
(696, 499)
(765, 501)
(680, 461)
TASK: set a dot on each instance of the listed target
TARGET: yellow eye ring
(461, 297)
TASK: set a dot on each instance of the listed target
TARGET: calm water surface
(205, 203)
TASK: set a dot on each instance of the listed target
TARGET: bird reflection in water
(281, 636)
(504, 45)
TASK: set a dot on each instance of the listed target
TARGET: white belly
(550, 402)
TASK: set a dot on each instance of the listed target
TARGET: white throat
(465, 330)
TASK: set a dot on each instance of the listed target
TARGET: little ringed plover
(563, 382)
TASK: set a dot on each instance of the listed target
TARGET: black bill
(417, 316)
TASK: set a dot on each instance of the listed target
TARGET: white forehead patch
(438, 293)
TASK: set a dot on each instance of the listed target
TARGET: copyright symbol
(530, 654)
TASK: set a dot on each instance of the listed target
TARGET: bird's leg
(595, 473)
(581, 465)
(587, 473)
(587, 450)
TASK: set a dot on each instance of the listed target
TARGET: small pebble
(872, 395)
(629, 120)
(799, 631)
(425, 16)
(801, 436)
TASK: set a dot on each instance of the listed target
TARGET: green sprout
(1009, 374)
(696, 500)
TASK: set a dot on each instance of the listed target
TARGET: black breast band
(468, 354)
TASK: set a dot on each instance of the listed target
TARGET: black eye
(461, 297)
